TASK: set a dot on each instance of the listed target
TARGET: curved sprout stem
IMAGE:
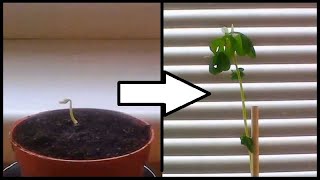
(65, 101)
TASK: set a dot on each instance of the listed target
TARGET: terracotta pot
(33, 164)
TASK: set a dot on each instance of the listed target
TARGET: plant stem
(65, 101)
(75, 122)
(243, 99)
(244, 110)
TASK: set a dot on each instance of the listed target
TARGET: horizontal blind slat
(259, 36)
(232, 128)
(261, 91)
(253, 73)
(260, 17)
(232, 146)
(303, 54)
(272, 174)
(232, 110)
(239, 164)
(177, 6)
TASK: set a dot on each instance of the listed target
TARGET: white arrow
(172, 92)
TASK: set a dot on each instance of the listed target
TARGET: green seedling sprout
(225, 51)
(65, 101)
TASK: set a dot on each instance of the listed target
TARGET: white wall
(82, 20)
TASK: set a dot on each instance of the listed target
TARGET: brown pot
(33, 164)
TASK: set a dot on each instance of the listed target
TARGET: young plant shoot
(65, 101)
(226, 50)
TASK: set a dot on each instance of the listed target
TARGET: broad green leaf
(221, 48)
(214, 70)
(233, 42)
(215, 44)
(230, 46)
(222, 45)
(239, 45)
(213, 67)
(244, 45)
(220, 62)
(248, 142)
(223, 61)
(234, 75)
(252, 53)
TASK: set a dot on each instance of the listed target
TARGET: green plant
(65, 101)
(225, 51)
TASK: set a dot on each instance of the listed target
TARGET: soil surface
(100, 134)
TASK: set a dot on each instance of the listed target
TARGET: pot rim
(17, 145)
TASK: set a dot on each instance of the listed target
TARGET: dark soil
(100, 134)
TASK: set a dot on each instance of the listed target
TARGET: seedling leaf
(234, 75)
(219, 42)
(244, 45)
(231, 44)
(223, 61)
(247, 141)
(220, 62)
(213, 69)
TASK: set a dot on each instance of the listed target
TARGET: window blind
(203, 138)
